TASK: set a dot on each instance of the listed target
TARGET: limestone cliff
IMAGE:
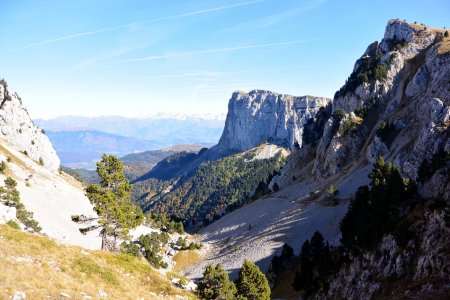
(264, 116)
(18, 130)
(396, 103)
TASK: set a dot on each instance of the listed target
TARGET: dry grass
(50, 269)
(15, 159)
(184, 259)
(444, 45)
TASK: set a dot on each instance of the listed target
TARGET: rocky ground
(258, 230)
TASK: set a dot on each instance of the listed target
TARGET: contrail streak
(208, 51)
(193, 13)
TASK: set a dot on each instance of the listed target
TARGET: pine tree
(304, 278)
(252, 284)
(112, 203)
(375, 210)
(215, 284)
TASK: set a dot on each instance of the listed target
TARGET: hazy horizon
(184, 57)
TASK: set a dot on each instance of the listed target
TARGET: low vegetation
(163, 223)
(27, 259)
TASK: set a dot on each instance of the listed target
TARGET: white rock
(64, 295)
(259, 116)
(19, 130)
(7, 213)
(102, 294)
(19, 295)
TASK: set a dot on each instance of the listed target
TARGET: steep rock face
(260, 116)
(401, 84)
(423, 264)
(19, 130)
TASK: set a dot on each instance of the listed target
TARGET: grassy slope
(50, 269)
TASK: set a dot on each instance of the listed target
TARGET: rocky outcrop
(418, 270)
(263, 116)
(400, 84)
(19, 130)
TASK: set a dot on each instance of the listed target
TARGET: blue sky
(135, 58)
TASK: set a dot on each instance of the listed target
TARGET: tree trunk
(108, 241)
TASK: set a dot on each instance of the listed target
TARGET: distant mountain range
(165, 130)
(80, 141)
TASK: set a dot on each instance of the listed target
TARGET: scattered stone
(19, 295)
(26, 259)
(64, 295)
(85, 296)
(84, 252)
(102, 294)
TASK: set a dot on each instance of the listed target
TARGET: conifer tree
(252, 284)
(215, 284)
(112, 203)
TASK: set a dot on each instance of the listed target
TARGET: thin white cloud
(184, 75)
(271, 20)
(193, 13)
(207, 51)
(221, 74)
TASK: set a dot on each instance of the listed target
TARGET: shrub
(195, 246)
(152, 245)
(13, 224)
(349, 125)
(332, 191)
(130, 248)
(339, 114)
(41, 161)
(446, 33)
(381, 72)
(25, 152)
(3, 167)
(399, 45)
(360, 111)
